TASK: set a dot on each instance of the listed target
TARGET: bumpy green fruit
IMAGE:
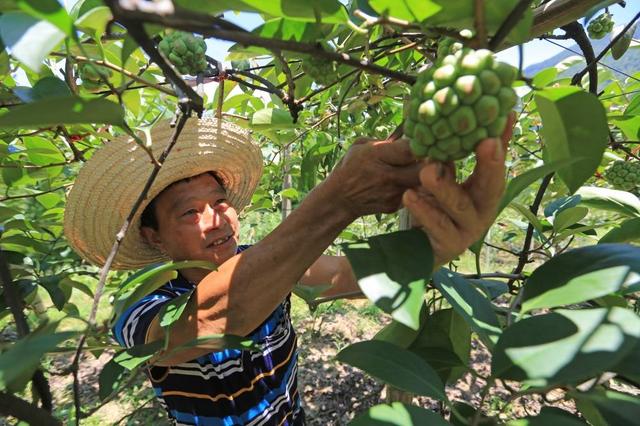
(623, 175)
(465, 98)
(600, 26)
(93, 76)
(320, 70)
(185, 51)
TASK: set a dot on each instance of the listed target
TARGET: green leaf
(218, 342)
(397, 414)
(568, 217)
(48, 10)
(151, 278)
(172, 310)
(634, 106)
(622, 45)
(271, 118)
(575, 345)
(50, 87)
(545, 77)
(568, 135)
(70, 110)
(549, 416)
(629, 366)
(290, 193)
(310, 293)
(21, 359)
(391, 270)
(95, 20)
(560, 280)
(524, 211)
(615, 408)
(328, 11)
(29, 39)
(491, 288)
(137, 355)
(610, 199)
(445, 343)
(580, 289)
(395, 366)
(461, 14)
(409, 10)
(519, 184)
(111, 378)
(472, 305)
(129, 45)
(624, 232)
(42, 151)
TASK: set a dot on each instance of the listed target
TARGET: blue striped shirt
(228, 387)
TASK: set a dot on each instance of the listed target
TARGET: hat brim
(111, 181)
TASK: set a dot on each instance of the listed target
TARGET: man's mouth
(220, 241)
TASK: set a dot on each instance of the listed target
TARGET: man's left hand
(455, 215)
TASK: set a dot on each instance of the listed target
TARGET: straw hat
(113, 178)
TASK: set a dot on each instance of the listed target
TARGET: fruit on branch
(185, 51)
(600, 26)
(93, 75)
(464, 98)
(320, 70)
(623, 175)
(449, 46)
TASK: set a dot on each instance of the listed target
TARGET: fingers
(396, 153)
(406, 176)
(435, 222)
(486, 184)
(451, 197)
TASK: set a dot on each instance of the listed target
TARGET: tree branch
(11, 405)
(591, 64)
(215, 27)
(524, 254)
(512, 20)
(15, 197)
(576, 31)
(114, 250)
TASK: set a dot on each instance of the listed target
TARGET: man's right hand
(372, 177)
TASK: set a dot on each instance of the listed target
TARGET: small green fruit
(463, 120)
(487, 109)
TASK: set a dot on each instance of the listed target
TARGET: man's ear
(152, 237)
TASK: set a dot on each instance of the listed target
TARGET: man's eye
(190, 212)
(221, 201)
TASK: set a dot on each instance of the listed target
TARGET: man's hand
(372, 177)
(455, 215)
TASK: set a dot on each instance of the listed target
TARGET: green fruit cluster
(623, 175)
(185, 51)
(600, 26)
(454, 105)
(320, 70)
(93, 76)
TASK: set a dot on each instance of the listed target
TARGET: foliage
(559, 314)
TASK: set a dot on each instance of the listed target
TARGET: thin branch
(576, 31)
(114, 250)
(15, 197)
(494, 275)
(129, 74)
(342, 98)
(350, 295)
(515, 253)
(290, 99)
(218, 28)
(524, 254)
(480, 39)
(269, 87)
(13, 301)
(11, 405)
(592, 64)
(512, 20)
(599, 63)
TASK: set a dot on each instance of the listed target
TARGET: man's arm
(335, 271)
(247, 288)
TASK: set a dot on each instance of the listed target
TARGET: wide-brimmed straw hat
(110, 182)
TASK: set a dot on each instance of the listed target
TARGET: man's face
(195, 222)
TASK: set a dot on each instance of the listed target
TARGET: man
(191, 213)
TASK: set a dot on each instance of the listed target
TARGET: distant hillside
(629, 63)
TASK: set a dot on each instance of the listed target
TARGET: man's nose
(212, 218)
